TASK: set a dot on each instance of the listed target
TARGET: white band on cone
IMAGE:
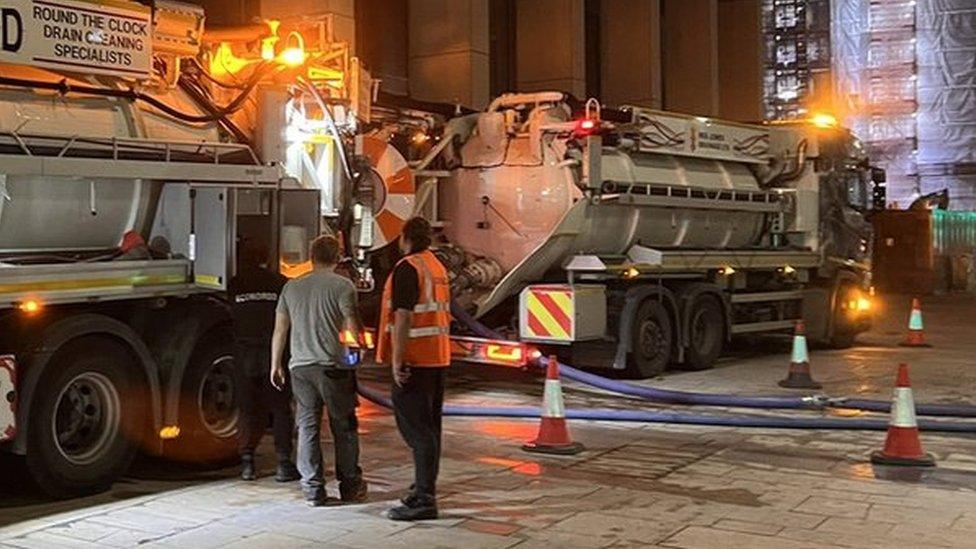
(552, 400)
(800, 354)
(903, 408)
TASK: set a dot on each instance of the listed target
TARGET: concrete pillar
(689, 38)
(740, 60)
(381, 40)
(448, 51)
(630, 52)
(550, 52)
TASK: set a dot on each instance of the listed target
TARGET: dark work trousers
(314, 387)
(418, 406)
(259, 400)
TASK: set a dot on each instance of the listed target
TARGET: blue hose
(643, 416)
(711, 399)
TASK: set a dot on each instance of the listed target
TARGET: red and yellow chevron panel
(548, 313)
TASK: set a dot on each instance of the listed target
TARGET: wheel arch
(633, 297)
(71, 328)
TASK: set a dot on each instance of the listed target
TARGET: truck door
(211, 237)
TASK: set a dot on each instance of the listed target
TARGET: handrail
(120, 145)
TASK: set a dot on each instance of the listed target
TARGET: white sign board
(107, 37)
(702, 137)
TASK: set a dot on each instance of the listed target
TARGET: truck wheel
(844, 332)
(84, 421)
(209, 407)
(706, 334)
(652, 340)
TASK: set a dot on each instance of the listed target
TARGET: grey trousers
(315, 387)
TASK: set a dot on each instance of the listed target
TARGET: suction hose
(711, 399)
(684, 418)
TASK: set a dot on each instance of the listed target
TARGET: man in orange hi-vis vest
(414, 335)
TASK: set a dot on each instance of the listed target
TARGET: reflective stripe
(422, 332)
(428, 331)
(431, 307)
(903, 408)
(552, 400)
(800, 354)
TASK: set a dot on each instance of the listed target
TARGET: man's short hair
(325, 250)
(418, 231)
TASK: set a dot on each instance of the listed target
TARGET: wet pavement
(636, 485)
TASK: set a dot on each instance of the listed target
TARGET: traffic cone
(916, 333)
(553, 435)
(799, 372)
(902, 445)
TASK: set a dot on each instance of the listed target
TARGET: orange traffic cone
(798, 376)
(902, 445)
(916, 333)
(553, 435)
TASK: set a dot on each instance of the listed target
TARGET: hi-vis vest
(429, 342)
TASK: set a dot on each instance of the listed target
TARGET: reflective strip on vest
(431, 307)
(422, 332)
(428, 331)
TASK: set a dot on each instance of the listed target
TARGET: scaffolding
(797, 56)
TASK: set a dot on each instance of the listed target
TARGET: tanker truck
(136, 151)
(636, 239)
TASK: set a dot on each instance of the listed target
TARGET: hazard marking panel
(8, 402)
(548, 313)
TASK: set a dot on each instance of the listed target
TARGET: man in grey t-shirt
(316, 308)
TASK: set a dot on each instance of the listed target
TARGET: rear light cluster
(498, 352)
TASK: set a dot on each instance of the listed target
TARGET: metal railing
(130, 148)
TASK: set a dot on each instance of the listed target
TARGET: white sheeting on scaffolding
(946, 56)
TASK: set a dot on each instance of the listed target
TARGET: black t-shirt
(406, 286)
(253, 296)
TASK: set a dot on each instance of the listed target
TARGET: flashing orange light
(823, 120)
(726, 271)
(631, 272)
(31, 306)
(294, 55)
(368, 338)
(169, 432)
(294, 271)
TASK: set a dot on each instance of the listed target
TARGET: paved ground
(636, 485)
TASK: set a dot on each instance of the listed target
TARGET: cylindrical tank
(72, 214)
(512, 191)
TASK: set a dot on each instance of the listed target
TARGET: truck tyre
(652, 339)
(706, 333)
(209, 407)
(85, 420)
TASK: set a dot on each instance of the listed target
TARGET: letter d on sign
(11, 29)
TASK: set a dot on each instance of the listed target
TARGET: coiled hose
(668, 396)
(684, 418)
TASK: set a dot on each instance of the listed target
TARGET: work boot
(411, 495)
(419, 508)
(359, 495)
(287, 472)
(317, 498)
(247, 467)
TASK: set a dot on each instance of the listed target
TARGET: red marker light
(587, 124)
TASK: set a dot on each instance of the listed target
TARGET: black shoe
(411, 495)
(317, 499)
(247, 467)
(359, 495)
(287, 472)
(419, 508)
